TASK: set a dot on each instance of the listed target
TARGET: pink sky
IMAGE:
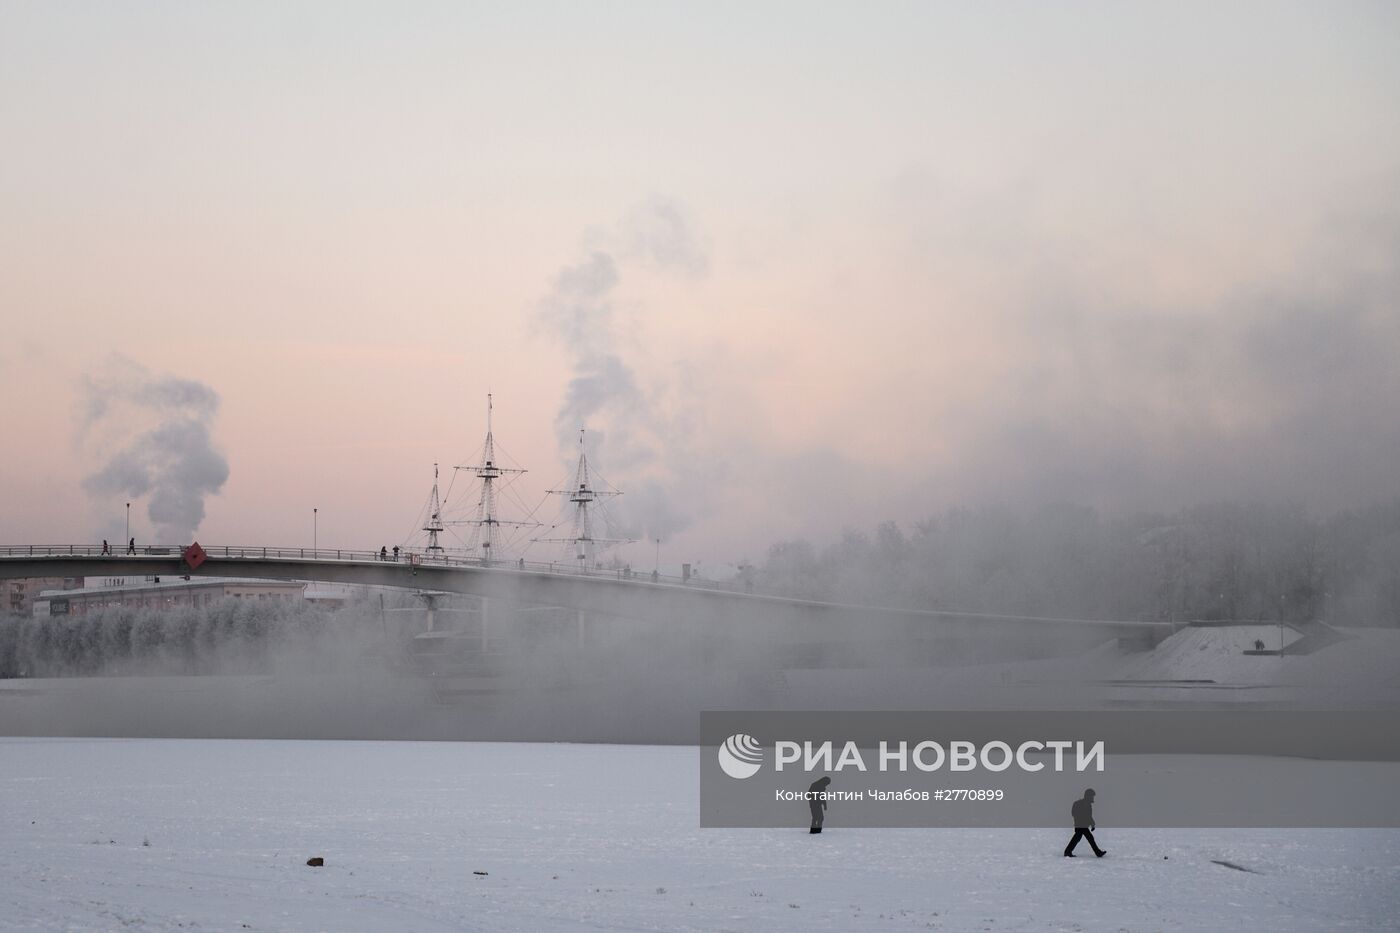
(867, 265)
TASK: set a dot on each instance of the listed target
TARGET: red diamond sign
(194, 556)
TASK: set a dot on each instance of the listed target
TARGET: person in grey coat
(1083, 813)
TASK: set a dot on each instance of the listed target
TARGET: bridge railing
(440, 558)
(456, 559)
(53, 550)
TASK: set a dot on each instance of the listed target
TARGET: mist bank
(228, 637)
(1222, 561)
(242, 668)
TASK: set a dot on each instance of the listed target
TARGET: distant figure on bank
(131, 546)
(106, 548)
(383, 552)
(396, 553)
(817, 803)
(1083, 813)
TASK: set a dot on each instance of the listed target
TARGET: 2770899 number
(966, 794)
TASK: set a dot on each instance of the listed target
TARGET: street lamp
(128, 521)
(315, 531)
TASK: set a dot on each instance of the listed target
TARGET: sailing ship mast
(434, 526)
(486, 538)
(583, 496)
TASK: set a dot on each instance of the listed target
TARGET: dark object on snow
(1225, 864)
(480, 873)
(316, 862)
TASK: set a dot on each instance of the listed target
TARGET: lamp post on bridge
(128, 521)
(315, 531)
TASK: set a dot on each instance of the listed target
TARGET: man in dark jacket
(816, 802)
(1083, 813)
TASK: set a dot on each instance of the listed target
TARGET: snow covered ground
(101, 834)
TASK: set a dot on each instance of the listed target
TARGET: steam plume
(151, 437)
(640, 435)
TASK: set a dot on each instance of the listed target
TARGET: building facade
(153, 593)
(19, 595)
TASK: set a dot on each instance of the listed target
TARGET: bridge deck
(620, 592)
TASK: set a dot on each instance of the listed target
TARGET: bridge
(648, 596)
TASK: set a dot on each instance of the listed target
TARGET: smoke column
(150, 436)
(641, 441)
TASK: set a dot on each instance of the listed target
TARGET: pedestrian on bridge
(383, 552)
(106, 548)
(396, 553)
(131, 546)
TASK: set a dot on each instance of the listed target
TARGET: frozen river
(101, 834)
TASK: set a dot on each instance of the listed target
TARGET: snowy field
(103, 834)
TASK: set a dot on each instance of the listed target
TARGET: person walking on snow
(1083, 813)
(816, 800)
